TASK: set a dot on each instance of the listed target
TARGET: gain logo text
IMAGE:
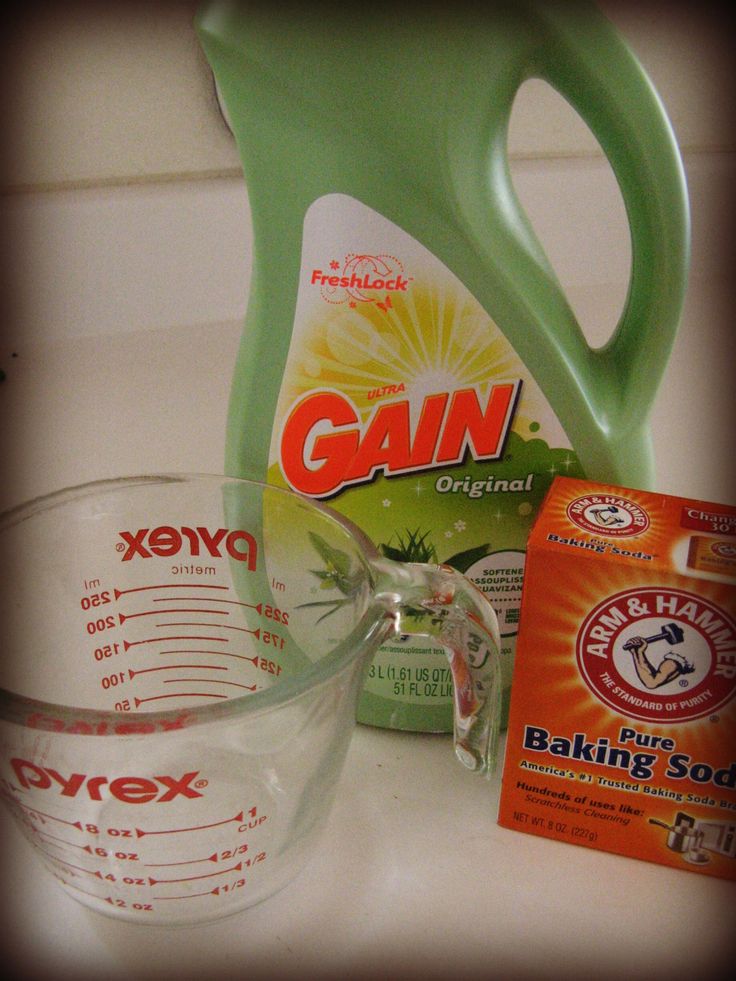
(325, 446)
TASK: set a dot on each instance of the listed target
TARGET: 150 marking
(108, 650)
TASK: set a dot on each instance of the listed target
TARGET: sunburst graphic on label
(429, 340)
(416, 382)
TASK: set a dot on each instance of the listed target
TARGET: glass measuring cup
(181, 661)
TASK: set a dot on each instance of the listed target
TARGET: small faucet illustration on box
(696, 840)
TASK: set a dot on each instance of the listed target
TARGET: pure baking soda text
(622, 730)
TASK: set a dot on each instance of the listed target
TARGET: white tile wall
(126, 208)
(114, 92)
(112, 258)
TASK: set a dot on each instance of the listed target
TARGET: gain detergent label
(404, 406)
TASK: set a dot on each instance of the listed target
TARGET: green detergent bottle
(409, 355)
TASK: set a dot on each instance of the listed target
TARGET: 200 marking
(102, 623)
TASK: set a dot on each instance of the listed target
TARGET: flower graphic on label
(361, 278)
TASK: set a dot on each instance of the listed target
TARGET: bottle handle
(571, 46)
(589, 64)
(440, 603)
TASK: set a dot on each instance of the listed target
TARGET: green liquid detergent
(409, 355)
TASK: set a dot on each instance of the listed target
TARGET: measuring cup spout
(439, 603)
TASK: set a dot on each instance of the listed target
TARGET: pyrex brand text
(165, 540)
(129, 790)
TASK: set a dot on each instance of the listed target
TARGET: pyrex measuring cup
(181, 660)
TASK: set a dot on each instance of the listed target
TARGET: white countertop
(413, 879)
(413, 876)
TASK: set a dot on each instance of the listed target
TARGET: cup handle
(440, 603)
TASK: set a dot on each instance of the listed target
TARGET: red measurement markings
(215, 599)
(197, 895)
(168, 585)
(217, 626)
(178, 667)
(240, 657)
(127, 644)
(180, 694)
(214, 857)
(190, 681)
(122, 904)
(238, 819)
(156, 613)
(50, 817)
(210, 681)
(194, 878)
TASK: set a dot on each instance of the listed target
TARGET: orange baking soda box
(622, 724)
